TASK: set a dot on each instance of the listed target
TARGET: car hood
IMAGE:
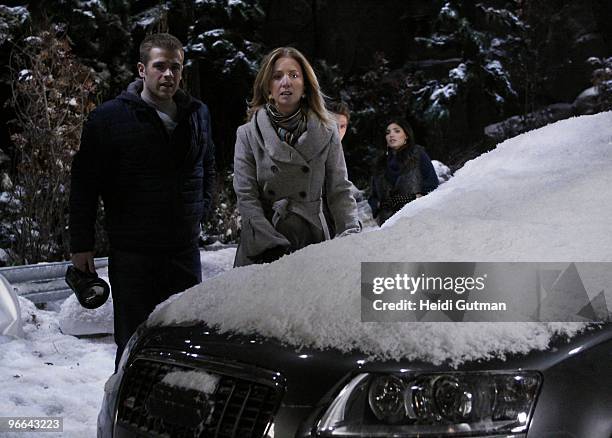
(310, 374)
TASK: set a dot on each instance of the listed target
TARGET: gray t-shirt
(168, 121)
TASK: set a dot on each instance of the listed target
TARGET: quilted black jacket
(156, 188)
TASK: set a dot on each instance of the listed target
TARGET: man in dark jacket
(149, 154)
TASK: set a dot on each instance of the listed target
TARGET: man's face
(342, 123)
(162, 74)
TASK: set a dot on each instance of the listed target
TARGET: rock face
(587, 102)
(516, 125)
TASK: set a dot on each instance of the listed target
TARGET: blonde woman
(285, 155)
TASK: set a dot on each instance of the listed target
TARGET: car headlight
(414, 404)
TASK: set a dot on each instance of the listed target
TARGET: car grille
(238, 409)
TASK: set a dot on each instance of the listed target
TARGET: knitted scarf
(289, 128)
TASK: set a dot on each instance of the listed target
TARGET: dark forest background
(466, 74)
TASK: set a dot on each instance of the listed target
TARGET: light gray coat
(272, 178)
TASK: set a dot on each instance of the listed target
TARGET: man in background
(342, 114)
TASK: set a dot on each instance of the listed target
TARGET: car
(279, 350)
(267, 389)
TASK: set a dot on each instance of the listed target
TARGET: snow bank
(49, 374)
(75, 320)
(542, 196)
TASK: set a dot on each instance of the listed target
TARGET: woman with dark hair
(287, 153)
(402, 174)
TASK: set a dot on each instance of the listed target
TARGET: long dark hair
(406, 155)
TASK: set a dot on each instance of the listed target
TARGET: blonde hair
(312, 90)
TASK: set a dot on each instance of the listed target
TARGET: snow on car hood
(542, 196)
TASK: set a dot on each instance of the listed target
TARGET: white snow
(93, 3)
(443, 172)
(458, 73)
(505, 14)
(48, 373)
(20, 11)
(223, 44)
(238, 58)
(88, 14)
(542, 196)
(197, 380)
(215, 33)
(51, 374)
(496, 42)
(444, 93)
(32, 40)
(75, 320)
(448, 11)
(495, 67)
(24, 75)
(588, 93)
(198, 47)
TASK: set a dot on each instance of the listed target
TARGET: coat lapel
(309, 145)
(314, 140)
(277, 149)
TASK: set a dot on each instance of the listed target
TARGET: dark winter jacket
(398, 178)
(156, 188)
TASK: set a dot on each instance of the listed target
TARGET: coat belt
(310, 211)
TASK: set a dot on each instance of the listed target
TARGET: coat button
(274, 169)
(305, 169)
(302, 194)
(271, 192)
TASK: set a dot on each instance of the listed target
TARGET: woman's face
(287, 84)
(395, 136)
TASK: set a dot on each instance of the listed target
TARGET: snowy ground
(52, 374)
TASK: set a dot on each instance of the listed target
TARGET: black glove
(270, 255)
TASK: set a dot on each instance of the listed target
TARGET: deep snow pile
(543, 196)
